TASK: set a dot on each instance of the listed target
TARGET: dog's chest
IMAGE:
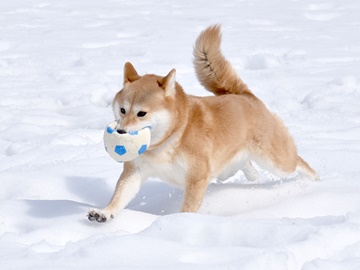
(170, 170)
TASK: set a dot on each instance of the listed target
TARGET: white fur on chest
(232, 166)
(170, 170)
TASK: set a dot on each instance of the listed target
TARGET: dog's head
(146, 101)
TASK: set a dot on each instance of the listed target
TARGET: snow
(60, 66)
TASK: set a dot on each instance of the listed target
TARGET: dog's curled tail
(214, 72)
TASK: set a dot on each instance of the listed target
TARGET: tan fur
(213, 71)
(194, 138)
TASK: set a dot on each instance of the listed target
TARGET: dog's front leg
(195, 189)
(126, 189)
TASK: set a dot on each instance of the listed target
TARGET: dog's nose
(121, 131)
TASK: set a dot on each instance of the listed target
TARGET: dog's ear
(130, 74)
(168, 83)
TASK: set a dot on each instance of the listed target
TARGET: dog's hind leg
(286, 167)
(304, 169)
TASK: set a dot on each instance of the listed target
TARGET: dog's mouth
(121, 131)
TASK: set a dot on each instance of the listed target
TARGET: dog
(196, 139)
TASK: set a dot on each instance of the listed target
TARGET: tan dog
(195, 139)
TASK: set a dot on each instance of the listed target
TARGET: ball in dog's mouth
(124, 145)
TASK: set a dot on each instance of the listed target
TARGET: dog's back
(270, 143)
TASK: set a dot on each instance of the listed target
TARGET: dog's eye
(141, 114)
(122, 110)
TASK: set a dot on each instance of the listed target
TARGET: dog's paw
(99, 216)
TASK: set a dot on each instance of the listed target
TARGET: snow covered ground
(60, 66)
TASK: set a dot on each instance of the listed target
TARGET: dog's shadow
(91, 190)
(82, 194)
(158, 198)
(155, 197)
(49, 209)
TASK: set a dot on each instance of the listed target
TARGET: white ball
(127, 146)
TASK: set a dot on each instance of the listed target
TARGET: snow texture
(60, 66)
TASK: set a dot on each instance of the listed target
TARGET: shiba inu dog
(195, 139)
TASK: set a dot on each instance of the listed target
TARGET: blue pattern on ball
(142, 149)
(120, 150)
(109, 130)
(133, 132)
